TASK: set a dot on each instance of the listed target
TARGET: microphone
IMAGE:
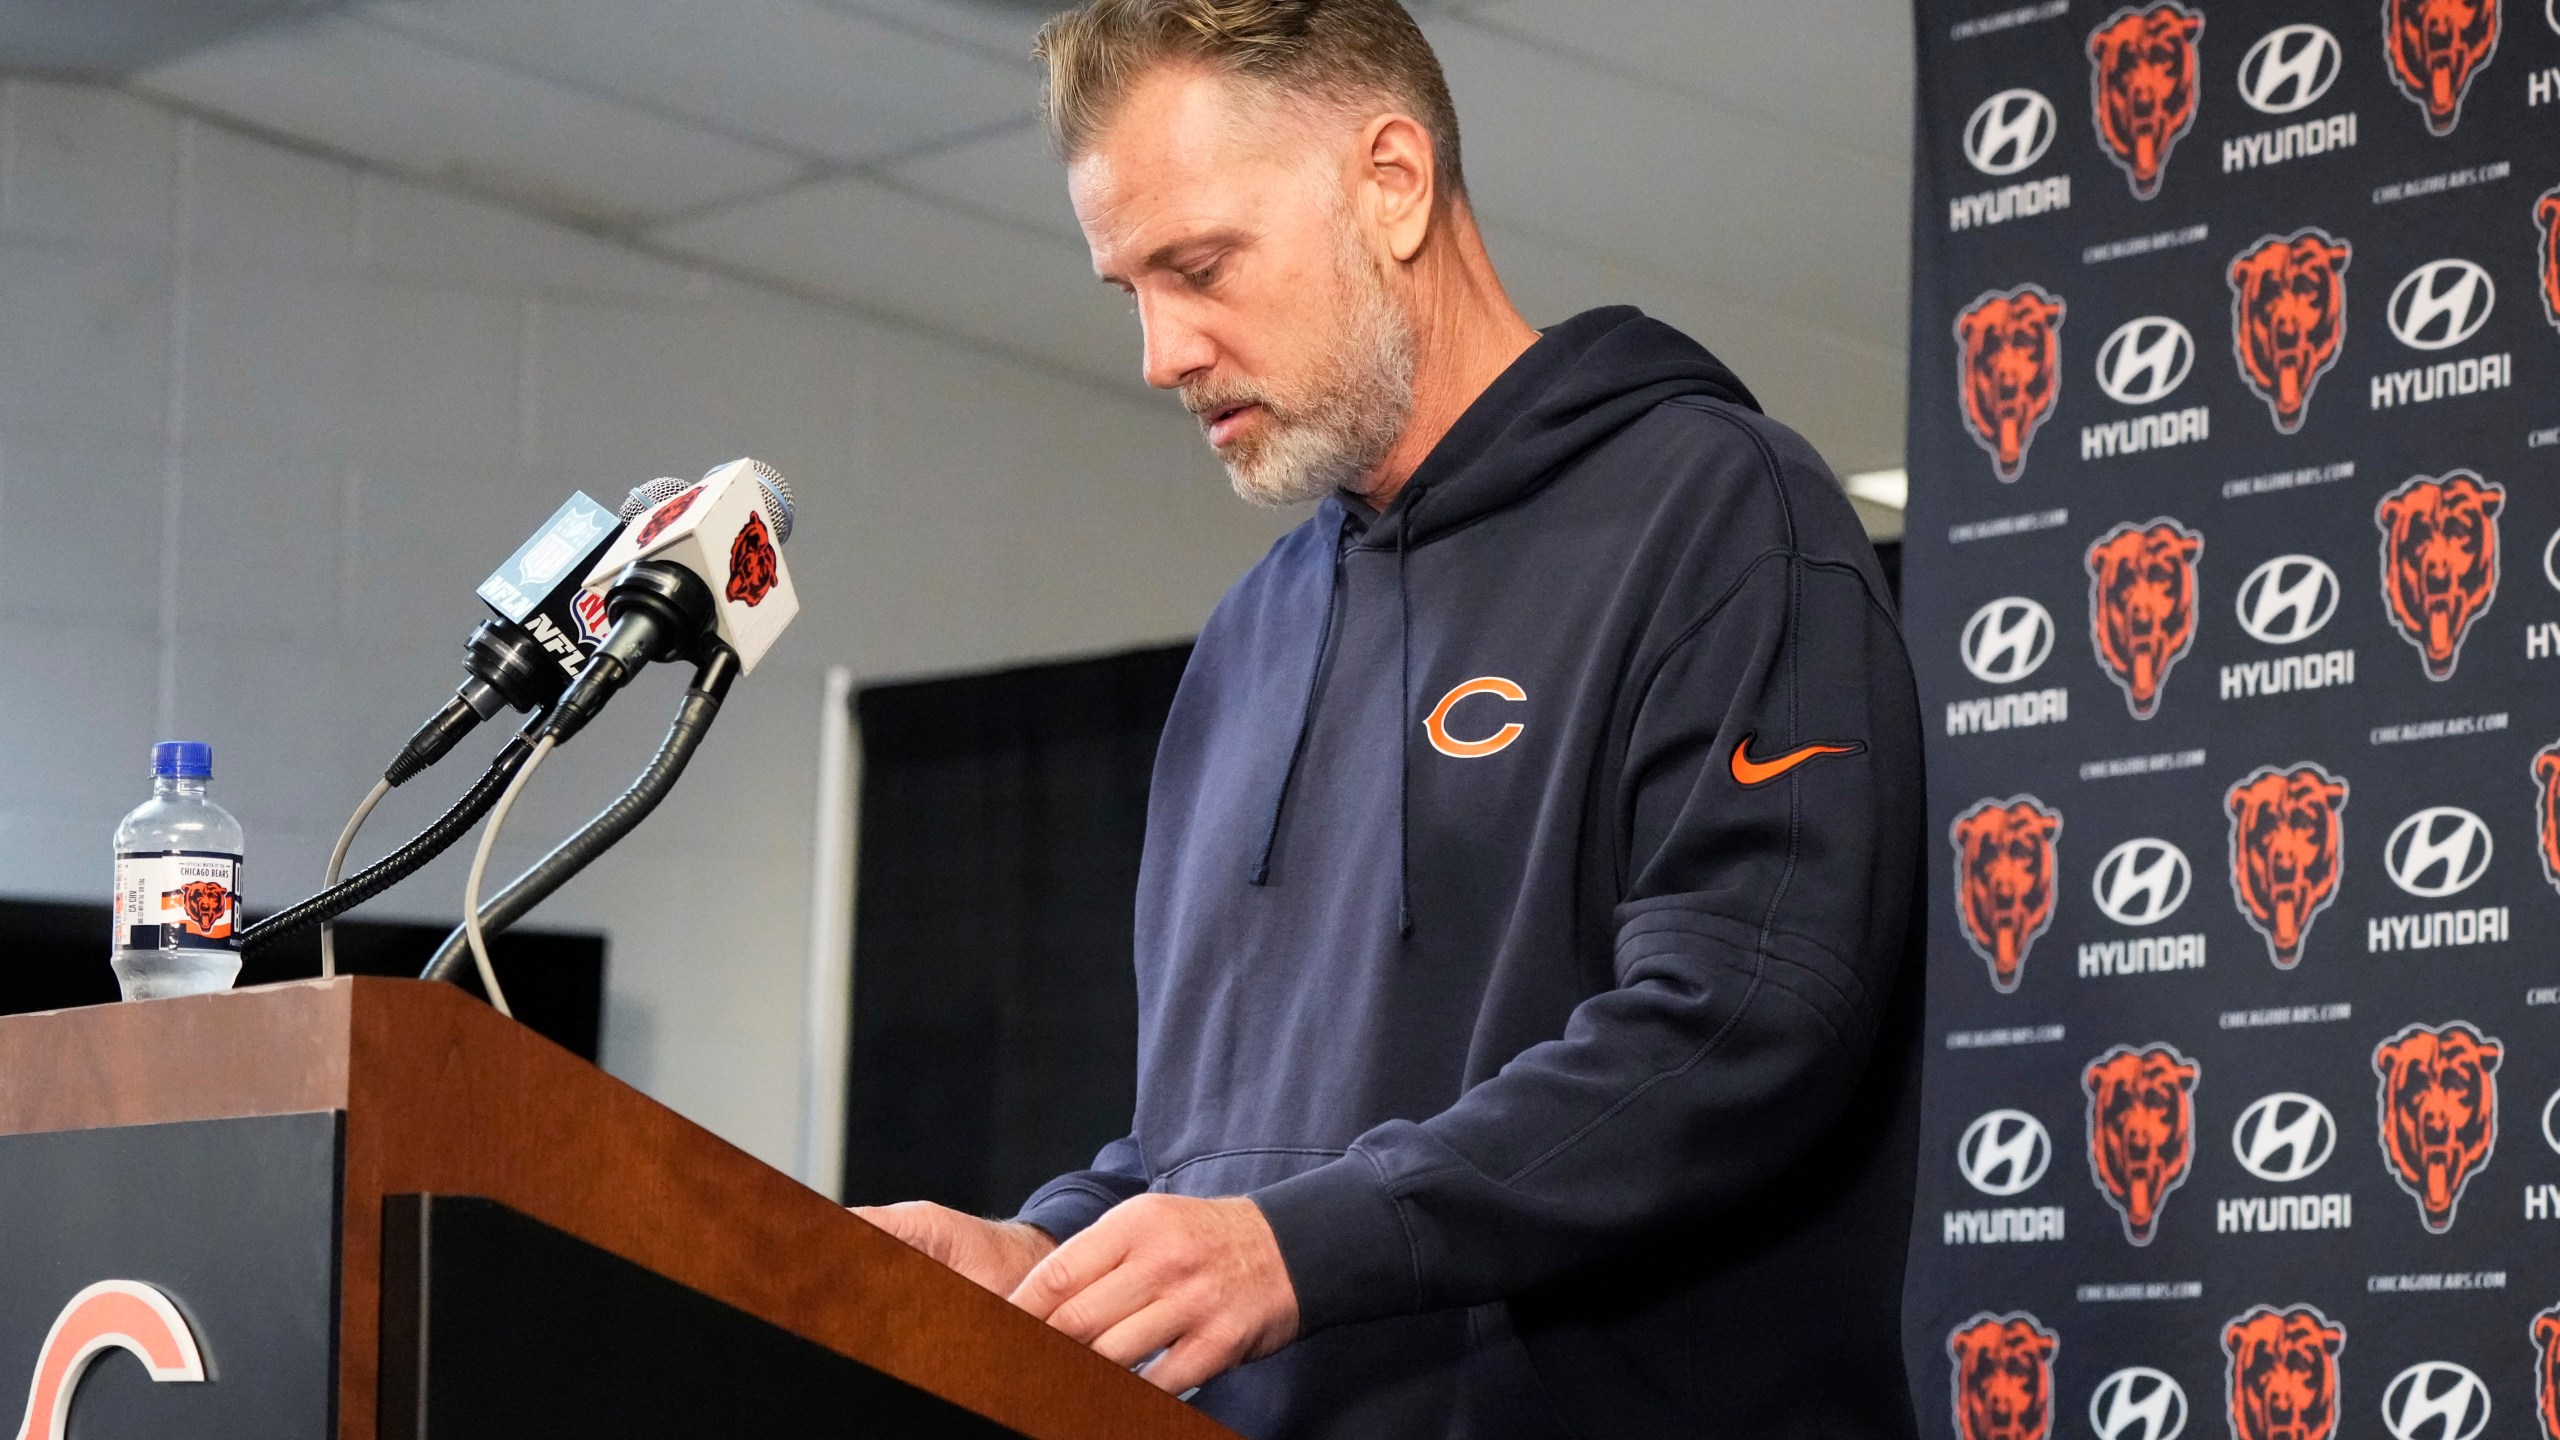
(699, 570)
(546, 628)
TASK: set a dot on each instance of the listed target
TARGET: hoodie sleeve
(1066, 1205)
(1766, 812)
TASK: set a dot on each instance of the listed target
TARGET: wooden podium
(377, 1208)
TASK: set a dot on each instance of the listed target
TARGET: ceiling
(1728, 164)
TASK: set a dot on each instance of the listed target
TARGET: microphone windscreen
(644, 498)
(773, 496)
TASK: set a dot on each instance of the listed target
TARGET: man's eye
(1202, 277)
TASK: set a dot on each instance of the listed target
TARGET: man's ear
(1398, 165)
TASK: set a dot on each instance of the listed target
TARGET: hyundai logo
(2142, 882)
(2437, 852)
(2551, 547)
(2441, 304)
(2004, 1152)
(2009, 132)
(2287, 599)
(2138, 1403)
(2551, 12)
(2007, 640)
(2550, 1115)
(2435, 1400)
(2289, 68)
(2284, 1137)
(2145, 359)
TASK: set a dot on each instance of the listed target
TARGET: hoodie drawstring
(1260, 873)
(1404, 715)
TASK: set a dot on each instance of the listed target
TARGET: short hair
(1331, 51)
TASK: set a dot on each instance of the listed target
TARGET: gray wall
(266, 420)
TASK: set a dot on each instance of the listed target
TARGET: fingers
(920, 1223)
(1068, 1270)
(1194, 1360)
(1141, 1335)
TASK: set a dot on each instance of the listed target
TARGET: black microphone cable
(400, 864)
(685, 734)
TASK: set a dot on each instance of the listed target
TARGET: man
(1527, 1009)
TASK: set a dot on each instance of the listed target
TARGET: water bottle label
(177, 900)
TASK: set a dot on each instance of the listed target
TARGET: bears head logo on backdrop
(2142, 606)
(2545, 1331)
(2282, 1377)
(2289, 317)
(2009, 365)
(2004, 880)
(2142, 88)
(2288, 843)
(2546, 220)
(2546, 816)
(2439, 1104)
(2440, 561)
(2003, 1377)
(2437, 47)
(753, 567)
(2142, 1121)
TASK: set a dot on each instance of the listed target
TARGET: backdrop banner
(2233, 583)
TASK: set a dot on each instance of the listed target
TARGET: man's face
(1230, 220)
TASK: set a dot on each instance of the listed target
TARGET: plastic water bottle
(177, 883)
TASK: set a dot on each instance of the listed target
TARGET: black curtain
(53, 955)
(994, 1011)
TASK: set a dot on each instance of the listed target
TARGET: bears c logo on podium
(2288, 845)
(2142, 1122)
(2003, 1386)
(2440, 561)
(2009, 371)
(2142, 88)
(2437, 48)
(2005, 870)
(2281, 1381)
(2439, 1104)
(2142, 606)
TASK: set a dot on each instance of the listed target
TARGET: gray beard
(1356, 405)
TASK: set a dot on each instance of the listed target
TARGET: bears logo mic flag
(2234, 538)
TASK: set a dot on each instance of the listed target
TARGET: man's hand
(993, 1253)
(1200, 1280)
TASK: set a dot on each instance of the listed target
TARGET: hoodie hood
(1580, 383)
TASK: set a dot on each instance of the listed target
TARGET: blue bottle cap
(182, 760)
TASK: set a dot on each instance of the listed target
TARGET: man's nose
(1175, 350)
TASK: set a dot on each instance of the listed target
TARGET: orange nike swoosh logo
(1747, 771)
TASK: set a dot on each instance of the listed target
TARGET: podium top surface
(442, 1095)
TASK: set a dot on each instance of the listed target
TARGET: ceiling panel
(1841, 70)
(903, 255)
(1635, 172)
(999, 29)
(415, 107)
(1010, 174)
(823, 82)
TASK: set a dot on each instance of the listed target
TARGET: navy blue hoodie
(1524, 926)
